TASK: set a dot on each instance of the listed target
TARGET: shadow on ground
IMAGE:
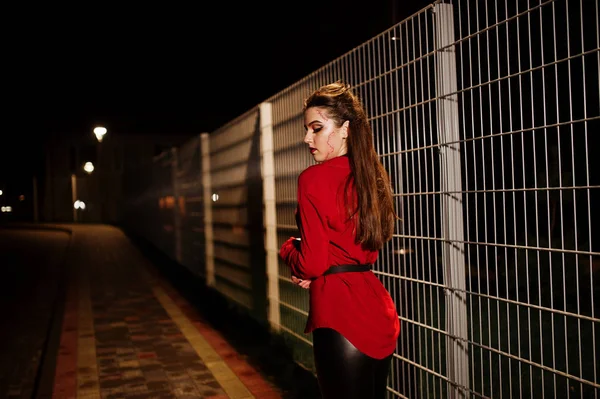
(265, 351)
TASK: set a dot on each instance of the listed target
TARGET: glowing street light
(88, 167)
(99, 131)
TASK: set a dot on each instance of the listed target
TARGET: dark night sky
(163, 68)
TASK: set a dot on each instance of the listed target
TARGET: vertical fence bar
(208, 222)
(452, 212)
(270, 218)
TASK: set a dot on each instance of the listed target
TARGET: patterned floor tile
(137, 341)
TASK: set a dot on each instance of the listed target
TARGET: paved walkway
(126, 333)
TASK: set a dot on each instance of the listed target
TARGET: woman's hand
(302, 283)
(287, 247)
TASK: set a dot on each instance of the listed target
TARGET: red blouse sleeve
(311, 260)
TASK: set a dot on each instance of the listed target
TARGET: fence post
(452, 213)
(176, 209)
(270, 222)
(74, 196)
(208, 222)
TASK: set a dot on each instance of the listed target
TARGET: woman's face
(325, 140)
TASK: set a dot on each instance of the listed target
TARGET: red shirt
(355, 304)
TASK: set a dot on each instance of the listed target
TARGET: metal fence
(484, 113)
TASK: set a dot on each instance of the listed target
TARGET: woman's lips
(312, 150)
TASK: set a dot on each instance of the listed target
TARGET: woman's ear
(345, 129)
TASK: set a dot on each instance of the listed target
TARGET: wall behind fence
(484, 114)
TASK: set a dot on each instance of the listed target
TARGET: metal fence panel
(190, 195)
(162, 204)
(149, 202)
(481, 113)
(237, 213)
(527, 96)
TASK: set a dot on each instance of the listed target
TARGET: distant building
(100, 191)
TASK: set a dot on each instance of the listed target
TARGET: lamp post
(74, 195)
(100, 132)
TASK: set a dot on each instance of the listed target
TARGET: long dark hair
(374, 205)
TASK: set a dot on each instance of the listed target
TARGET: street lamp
(88, 167)
(99, 131)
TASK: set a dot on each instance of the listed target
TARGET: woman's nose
(307, 138)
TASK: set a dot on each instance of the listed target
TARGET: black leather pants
(344, 372)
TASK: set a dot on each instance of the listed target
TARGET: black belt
(347, 268)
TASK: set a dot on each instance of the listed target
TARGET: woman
(345, 214)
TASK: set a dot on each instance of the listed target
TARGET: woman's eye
(317, 130)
